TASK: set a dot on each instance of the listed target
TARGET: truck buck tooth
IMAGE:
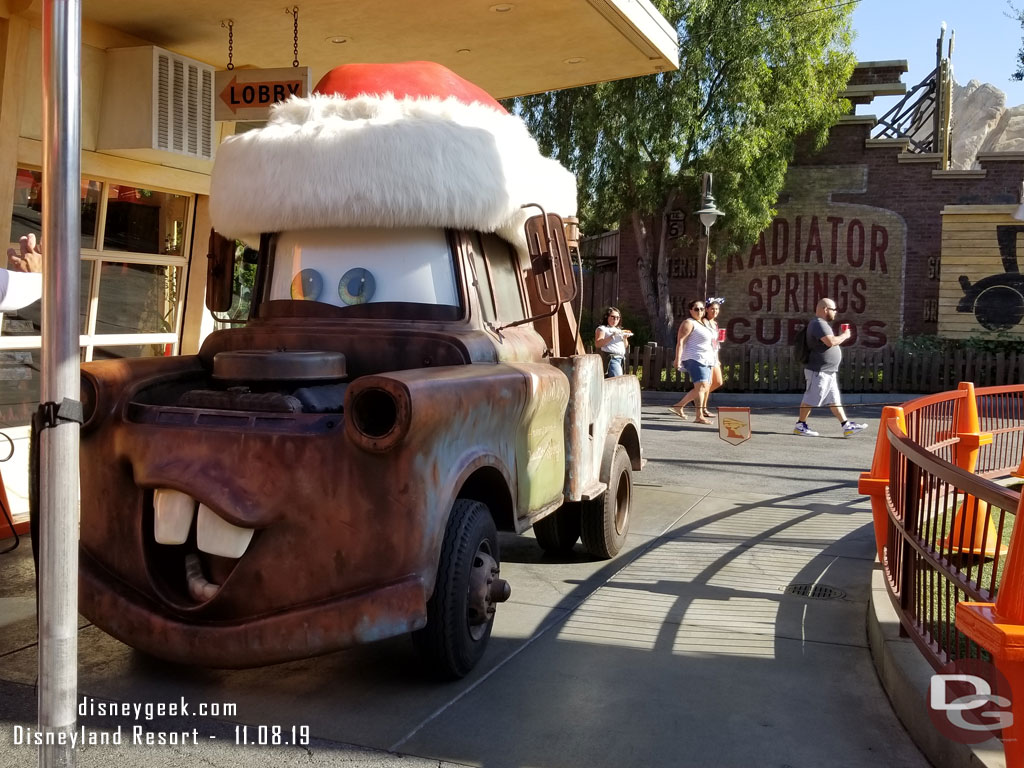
(173, 513)
(216, 536)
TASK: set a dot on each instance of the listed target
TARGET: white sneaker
(801, 428)
(851, 428)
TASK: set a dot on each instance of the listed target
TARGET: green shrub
(1001, 341)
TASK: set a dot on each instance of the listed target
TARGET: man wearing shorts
(821, 369)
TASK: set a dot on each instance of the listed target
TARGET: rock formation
(983, 123)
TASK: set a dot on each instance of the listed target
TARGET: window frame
(89, 340)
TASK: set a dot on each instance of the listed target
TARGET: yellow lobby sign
(247, 94)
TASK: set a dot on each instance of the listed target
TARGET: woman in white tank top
(695, 352)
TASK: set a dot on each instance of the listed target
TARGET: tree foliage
(754, 75)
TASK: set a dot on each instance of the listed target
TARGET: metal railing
(944, 528)
(945, 523)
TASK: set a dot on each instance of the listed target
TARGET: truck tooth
(173, 514)
(216, 536)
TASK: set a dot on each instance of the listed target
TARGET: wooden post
(645, 377)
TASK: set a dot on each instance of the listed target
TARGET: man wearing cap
(821, 371)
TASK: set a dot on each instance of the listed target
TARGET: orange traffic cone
(972, 523)
(875, 482)
(973, 532)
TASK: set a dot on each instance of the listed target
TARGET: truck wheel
(460, 613)
(605, 521)
(558, 532)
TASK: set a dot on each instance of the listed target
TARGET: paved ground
(684, 651)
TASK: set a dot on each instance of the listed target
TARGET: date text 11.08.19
(272, 735)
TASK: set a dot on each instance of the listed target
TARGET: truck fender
(622, 431)
(499, 501)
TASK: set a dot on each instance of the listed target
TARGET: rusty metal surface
(330, 519)
(597, 413)
(305, 631)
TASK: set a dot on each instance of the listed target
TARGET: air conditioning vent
(155, 99)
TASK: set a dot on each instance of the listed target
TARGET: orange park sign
(734, 425)
(246, 94)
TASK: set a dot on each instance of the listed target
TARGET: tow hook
(485, 589)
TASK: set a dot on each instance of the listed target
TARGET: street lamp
(708, 214)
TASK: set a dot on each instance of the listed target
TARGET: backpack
(801, 346)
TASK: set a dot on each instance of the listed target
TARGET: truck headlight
(377, 414)
(89, 398)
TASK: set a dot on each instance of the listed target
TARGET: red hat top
(404, 80)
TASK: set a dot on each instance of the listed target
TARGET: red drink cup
(721, 334)
(844, 327)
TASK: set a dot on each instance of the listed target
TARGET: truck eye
(357, 286)
(307, 285)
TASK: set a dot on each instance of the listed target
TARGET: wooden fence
(888, 369)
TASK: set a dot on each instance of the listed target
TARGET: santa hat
(387, 145)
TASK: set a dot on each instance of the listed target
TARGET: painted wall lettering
(816, 248)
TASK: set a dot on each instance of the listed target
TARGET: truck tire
(455, 638)
(605, 521)
(558, 532)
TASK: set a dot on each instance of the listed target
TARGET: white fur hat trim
(327, 161)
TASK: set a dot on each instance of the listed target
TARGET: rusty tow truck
(336, 470)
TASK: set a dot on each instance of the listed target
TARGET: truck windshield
(352, 267)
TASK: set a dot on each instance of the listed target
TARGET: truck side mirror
(220, 273)
(549, 258)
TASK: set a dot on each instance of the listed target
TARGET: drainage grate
(815, 591)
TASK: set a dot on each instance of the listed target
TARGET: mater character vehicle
(410, 380)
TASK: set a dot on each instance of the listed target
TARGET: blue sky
(986, 44)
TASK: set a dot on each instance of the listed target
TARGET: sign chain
(295, 34)
(230, 25)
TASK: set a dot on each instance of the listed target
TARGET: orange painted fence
(945, 533)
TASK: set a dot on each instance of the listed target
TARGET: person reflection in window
(21, 283)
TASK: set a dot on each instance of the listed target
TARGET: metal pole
(706, 247)
(58, 457)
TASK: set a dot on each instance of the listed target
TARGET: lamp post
(708, 214)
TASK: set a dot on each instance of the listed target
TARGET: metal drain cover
(815, 591)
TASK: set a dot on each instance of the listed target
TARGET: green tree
(754, 75)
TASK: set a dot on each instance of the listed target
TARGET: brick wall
(873, 209)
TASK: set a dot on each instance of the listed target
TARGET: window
(134, 257)
(355, 268)
(504, 269)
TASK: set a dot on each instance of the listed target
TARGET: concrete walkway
(686, 650)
